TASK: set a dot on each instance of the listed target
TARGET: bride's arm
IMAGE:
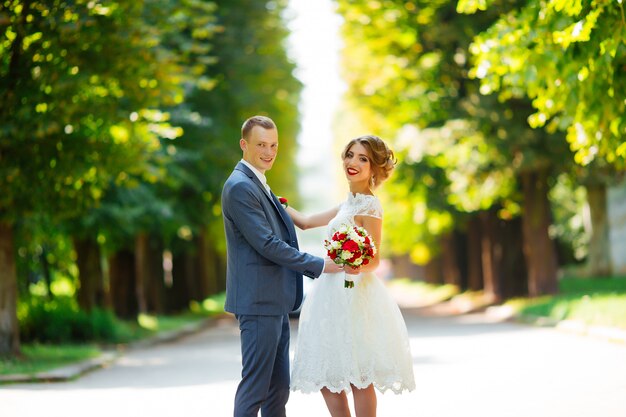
(315, 220)
(374, 227)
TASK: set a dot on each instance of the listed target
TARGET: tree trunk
(514, 277)
(449, 260)
(149, 284)
(599, 258)
(122, 281)
(206, 276)
(503, 263)
(9, 327)
(176, 297)
(401, 265)
(539, 249)
(45, 269)
(214, 268)
(91, 281)
(460, 239)
(491, 255)
(155, 279)
(474, 252)
(185, 281)
(141, 270)
(193, 272)
(220, 265)
(433, 271)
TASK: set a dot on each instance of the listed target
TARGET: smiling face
(261, 148)
(357, 165)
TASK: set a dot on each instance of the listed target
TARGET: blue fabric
(263, 284)
(265, 374)
(264, 265)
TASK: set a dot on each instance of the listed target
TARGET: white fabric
(258, 174)
(352, 335)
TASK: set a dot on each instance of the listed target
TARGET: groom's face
(261, 148)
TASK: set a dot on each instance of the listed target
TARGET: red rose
(339, 236)
(367, 240)
(350, 245)
(366, 261)
(356, 256)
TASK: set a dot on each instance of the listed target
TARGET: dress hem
(347, 387)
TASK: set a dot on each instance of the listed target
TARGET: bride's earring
(372, 181)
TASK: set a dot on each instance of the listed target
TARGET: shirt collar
(258, 173)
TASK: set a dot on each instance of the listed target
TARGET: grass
(149, 325)
(37, 358)
(211, 306)
(43, 357)
(597, 302)
(593, 301)
(418, 293)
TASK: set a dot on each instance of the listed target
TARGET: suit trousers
(265, 372)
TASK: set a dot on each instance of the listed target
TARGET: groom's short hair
(263, 121)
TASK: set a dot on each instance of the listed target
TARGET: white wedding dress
(352, 335)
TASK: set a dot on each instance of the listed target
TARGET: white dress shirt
(259, 175)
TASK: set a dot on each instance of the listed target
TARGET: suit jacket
(264, 266)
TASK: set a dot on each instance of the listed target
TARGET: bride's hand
(351, 271)
(330, 267)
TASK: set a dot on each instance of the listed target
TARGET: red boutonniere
(283, 202)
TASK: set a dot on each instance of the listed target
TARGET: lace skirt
(351, 336)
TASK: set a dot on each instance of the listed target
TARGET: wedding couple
(349, 339)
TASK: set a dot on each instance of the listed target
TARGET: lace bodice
(355, 205)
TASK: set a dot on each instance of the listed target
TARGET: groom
(264, 272)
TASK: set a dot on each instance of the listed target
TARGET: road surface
(469, 366)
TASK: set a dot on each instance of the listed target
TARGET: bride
(353, 339)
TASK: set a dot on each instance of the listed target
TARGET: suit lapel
(254, 178)
(282, 212)
(271, 197)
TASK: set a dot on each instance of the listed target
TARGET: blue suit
(263, 284)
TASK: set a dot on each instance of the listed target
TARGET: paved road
(466, 366)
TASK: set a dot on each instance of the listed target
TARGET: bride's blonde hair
(382, 159)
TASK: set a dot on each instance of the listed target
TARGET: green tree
(143, 202)
(407, 64)
(568, 57)
(74, 80)
(252, 74)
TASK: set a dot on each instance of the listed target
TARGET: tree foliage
(92, 96)
(407, 65)
(569, 57)
(77, 80)
(249, 73)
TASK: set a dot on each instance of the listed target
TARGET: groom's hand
(330, 267)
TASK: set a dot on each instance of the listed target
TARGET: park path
(468, 365)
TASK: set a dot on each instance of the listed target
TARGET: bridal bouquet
(352, 246)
